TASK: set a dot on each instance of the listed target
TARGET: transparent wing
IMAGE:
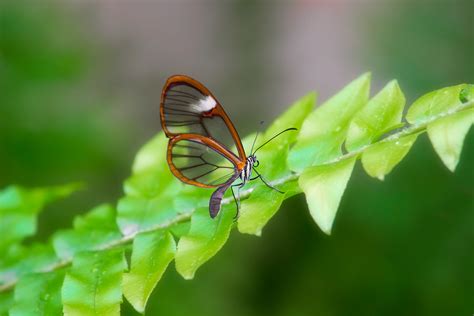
(197, 163)
(187, 107)
(182, 109)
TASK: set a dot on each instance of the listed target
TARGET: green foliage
(323, 187)
(435, 103)
(19, 260)
(152, 252)
(91, 232)
(447, 136)
(204, 239)
(382, 112)
(379, 159)
(93, 284)
(39, 294)
(6, 302)
(256, 212)
(83, 271)
(19, 209)
(150, 193)
(325, 130)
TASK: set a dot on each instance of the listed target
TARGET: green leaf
(206, 237)
(150, 172)
(435, 103)
(379, 159)
(467, 93)
(19, 208)
(152, 252)
(263, 203)
(180, 229)
(324, 131)
(6, 301)
(256, 211)
(447, 136)
(291, 188)
(381, 113)
(91, 232)
(152, 192)
(93, 284)
(19, 260)
(323, 187)
(158, 203)
(152, 156)
(38, 294)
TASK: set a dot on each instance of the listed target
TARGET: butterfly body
(246, 173)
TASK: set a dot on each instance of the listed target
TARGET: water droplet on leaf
(467, 93)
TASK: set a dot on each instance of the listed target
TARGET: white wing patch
(204, 105)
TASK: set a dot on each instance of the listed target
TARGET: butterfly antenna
(255, 139)
(284, 131)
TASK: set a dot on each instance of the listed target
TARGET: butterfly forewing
(182, 109)
(187, 107)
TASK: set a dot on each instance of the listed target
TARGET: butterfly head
(253, 161)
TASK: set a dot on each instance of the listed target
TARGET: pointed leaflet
(263, 203)
(324, 131)
(152, 252)
(256, 212)
(205, 238)
(435, 103)
(447, 136)
(93, 284)
(38, 294)
(379, 159)
(91, 232)
(180, 229)
(323, 187)
(19, 208)
(381, 113)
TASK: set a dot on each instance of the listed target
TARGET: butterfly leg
(237, 200)
(259, 176)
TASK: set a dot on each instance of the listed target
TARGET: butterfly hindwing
(201, 161)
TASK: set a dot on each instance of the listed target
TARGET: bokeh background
(80, 83)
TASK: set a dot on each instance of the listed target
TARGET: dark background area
(79, 91)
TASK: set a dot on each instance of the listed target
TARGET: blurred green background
(79, 91)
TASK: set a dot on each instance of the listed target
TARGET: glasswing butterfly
(199, 131)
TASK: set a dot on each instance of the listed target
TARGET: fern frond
(83, 270)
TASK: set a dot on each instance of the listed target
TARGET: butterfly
(199, 132)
